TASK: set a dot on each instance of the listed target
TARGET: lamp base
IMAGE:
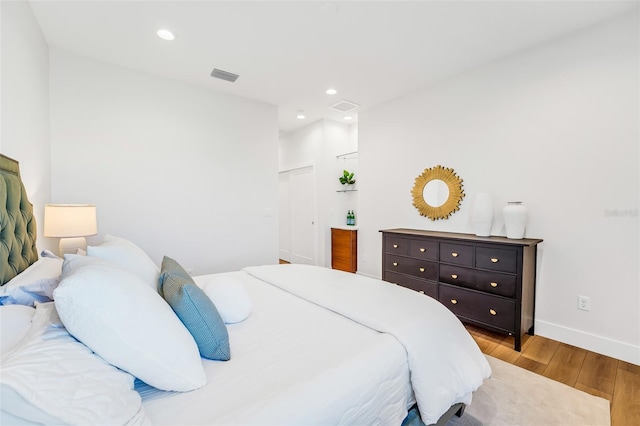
(71, 245)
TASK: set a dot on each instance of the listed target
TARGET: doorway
(297, 216)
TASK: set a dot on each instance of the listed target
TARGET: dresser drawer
(423, 249)
(497, 259)
(487, 281)
(430, 288)
(396, 245)
(456, 253)
(472, 305)
(418, 268)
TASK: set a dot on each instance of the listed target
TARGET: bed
(111, 338)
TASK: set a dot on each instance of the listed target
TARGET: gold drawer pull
(454, 301)
(395, 263)
(492, 312)
(422, 250)
(421, 292)
(494, 260)
(454, 276)
(421, 269)
(454, 254)
(395, 246)
(494, 285)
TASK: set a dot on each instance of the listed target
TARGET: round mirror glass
(435, 193)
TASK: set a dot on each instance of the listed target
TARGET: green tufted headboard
(17, 223)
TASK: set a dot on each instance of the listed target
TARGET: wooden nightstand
(344, 249)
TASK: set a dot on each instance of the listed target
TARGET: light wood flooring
(599, 375)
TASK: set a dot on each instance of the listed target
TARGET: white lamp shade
(70, 220)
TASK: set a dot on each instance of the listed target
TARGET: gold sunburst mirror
(437, 193)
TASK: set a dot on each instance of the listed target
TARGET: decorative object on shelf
(437, 193)
(482, 215)
(347, 178)
(71, 223)
(351, 218)
(515, 219)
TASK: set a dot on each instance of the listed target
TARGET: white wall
(24, 121)
(318, 144)
(556, 127)
(180, 170)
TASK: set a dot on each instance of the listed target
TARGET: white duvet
(49, 377)
(445, 362)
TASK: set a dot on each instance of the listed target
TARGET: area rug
(515, 396)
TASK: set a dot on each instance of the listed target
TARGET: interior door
(302, 229)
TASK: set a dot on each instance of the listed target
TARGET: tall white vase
(482, 215)
(515, 219)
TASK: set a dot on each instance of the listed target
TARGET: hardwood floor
(599, 375)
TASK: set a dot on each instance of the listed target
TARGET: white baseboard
(602, 345)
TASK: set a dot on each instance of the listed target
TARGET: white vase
(515, 219)
(482, 215)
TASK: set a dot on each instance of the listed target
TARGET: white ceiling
(288, 53)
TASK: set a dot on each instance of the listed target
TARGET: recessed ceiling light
(166, 35)
(331, 91)
(301, 115)
(348, 117)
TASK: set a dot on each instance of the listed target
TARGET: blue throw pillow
(196, 311)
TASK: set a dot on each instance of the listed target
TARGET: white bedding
(49, 377)
(318, 347)
(279, 373)
(446, 364)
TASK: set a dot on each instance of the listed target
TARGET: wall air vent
(224, 75)
(343, 106)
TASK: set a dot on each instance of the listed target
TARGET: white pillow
(129, 256)
(73, 262)
(34, 284)
(128, 324)
(230, 297)
(15, 321)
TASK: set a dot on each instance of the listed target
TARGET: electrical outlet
(584, 303)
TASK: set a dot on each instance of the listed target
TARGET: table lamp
(71, 223)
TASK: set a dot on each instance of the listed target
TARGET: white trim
(602, 345)
(298, 167)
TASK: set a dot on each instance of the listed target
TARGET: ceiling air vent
(343, 106)
(224, 75)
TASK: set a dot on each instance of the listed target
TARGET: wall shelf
(348, 155)
(346, 190)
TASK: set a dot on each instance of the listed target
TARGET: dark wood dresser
(344, 249)
(486, 281)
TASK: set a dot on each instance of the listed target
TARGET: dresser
(344, 249)
(486, 281)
